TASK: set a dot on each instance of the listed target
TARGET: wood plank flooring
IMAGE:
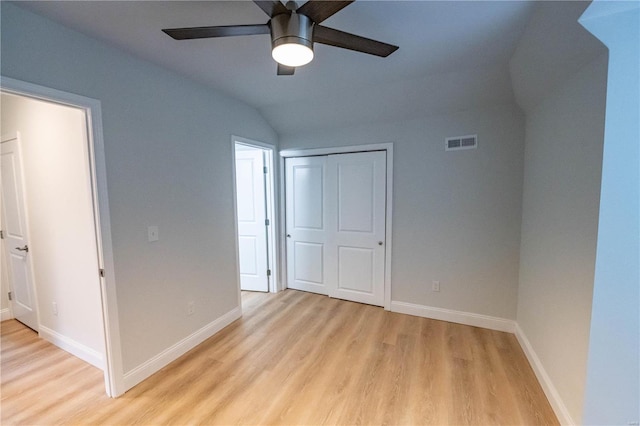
(294, 358)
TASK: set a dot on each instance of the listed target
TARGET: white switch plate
(435, 286)
(153, 233)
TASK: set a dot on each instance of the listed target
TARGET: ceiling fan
(293, 31)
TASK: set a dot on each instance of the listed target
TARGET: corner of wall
(559, 408)
(156, 363)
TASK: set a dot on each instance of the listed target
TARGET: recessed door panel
(248, 255)
(356, 269)
(308, 262)
(22, 294)
(308, 191)
(246, 187)
(355, 196)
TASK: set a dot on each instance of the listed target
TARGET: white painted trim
(236, 242)
(281, 237)
(388, 147)
(174, 352)
(252, 142)
(459, 317)
(5, 314)
(77, 349)
(275, 284)
(389, 230)
(335, 150)
(113, 373)
(549, 389)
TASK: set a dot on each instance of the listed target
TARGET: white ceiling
(452, 54)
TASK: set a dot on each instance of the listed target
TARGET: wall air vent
(461, 142)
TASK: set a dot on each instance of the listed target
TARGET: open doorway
(255, 225)
(54, 214)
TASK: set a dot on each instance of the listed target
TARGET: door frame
(113, 368)
(270, 196)
(388, 147)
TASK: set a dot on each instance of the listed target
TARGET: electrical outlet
(191, 308)
(54, 307)
(435, 286)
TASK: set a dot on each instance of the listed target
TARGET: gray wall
(563, 158)
(168, 157)
(456, 215)
(559, 76)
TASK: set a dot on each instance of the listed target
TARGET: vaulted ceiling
(453, 55)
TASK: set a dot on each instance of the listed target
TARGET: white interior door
(305, 184)
(252, 231)
(356, 226)
(16, 239)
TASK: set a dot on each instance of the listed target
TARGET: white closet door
(252, 231)
(356, 226)
(306, 223)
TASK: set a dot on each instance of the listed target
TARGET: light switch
(153, 233)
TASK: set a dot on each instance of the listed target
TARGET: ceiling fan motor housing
(292, 28)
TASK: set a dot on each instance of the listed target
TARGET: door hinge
(102, 273)
(1, 234)
(10, 296)
(265, 170)
(268, 272)
(266, 222)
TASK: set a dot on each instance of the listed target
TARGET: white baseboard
(174, 352)
(460, 317)
(77, 349)
(545, 381)
(5, 314)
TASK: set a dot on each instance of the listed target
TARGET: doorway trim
(388, 147)
(275, 283)
(113, 368)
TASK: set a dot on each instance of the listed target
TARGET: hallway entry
(254, 214)
(49, 227)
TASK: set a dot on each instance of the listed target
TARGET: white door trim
(113, 371)
(388, 147)
(275, 284)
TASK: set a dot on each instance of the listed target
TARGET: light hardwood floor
(294, 358)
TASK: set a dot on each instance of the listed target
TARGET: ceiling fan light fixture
(292, 54)
(292, 39)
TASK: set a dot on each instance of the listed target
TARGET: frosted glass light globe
(292, 54)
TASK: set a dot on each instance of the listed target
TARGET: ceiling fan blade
(319, 10)
(271, 8)
(220, 31)
(344, 40)
(285, 70)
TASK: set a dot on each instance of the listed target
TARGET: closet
(335, 225)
